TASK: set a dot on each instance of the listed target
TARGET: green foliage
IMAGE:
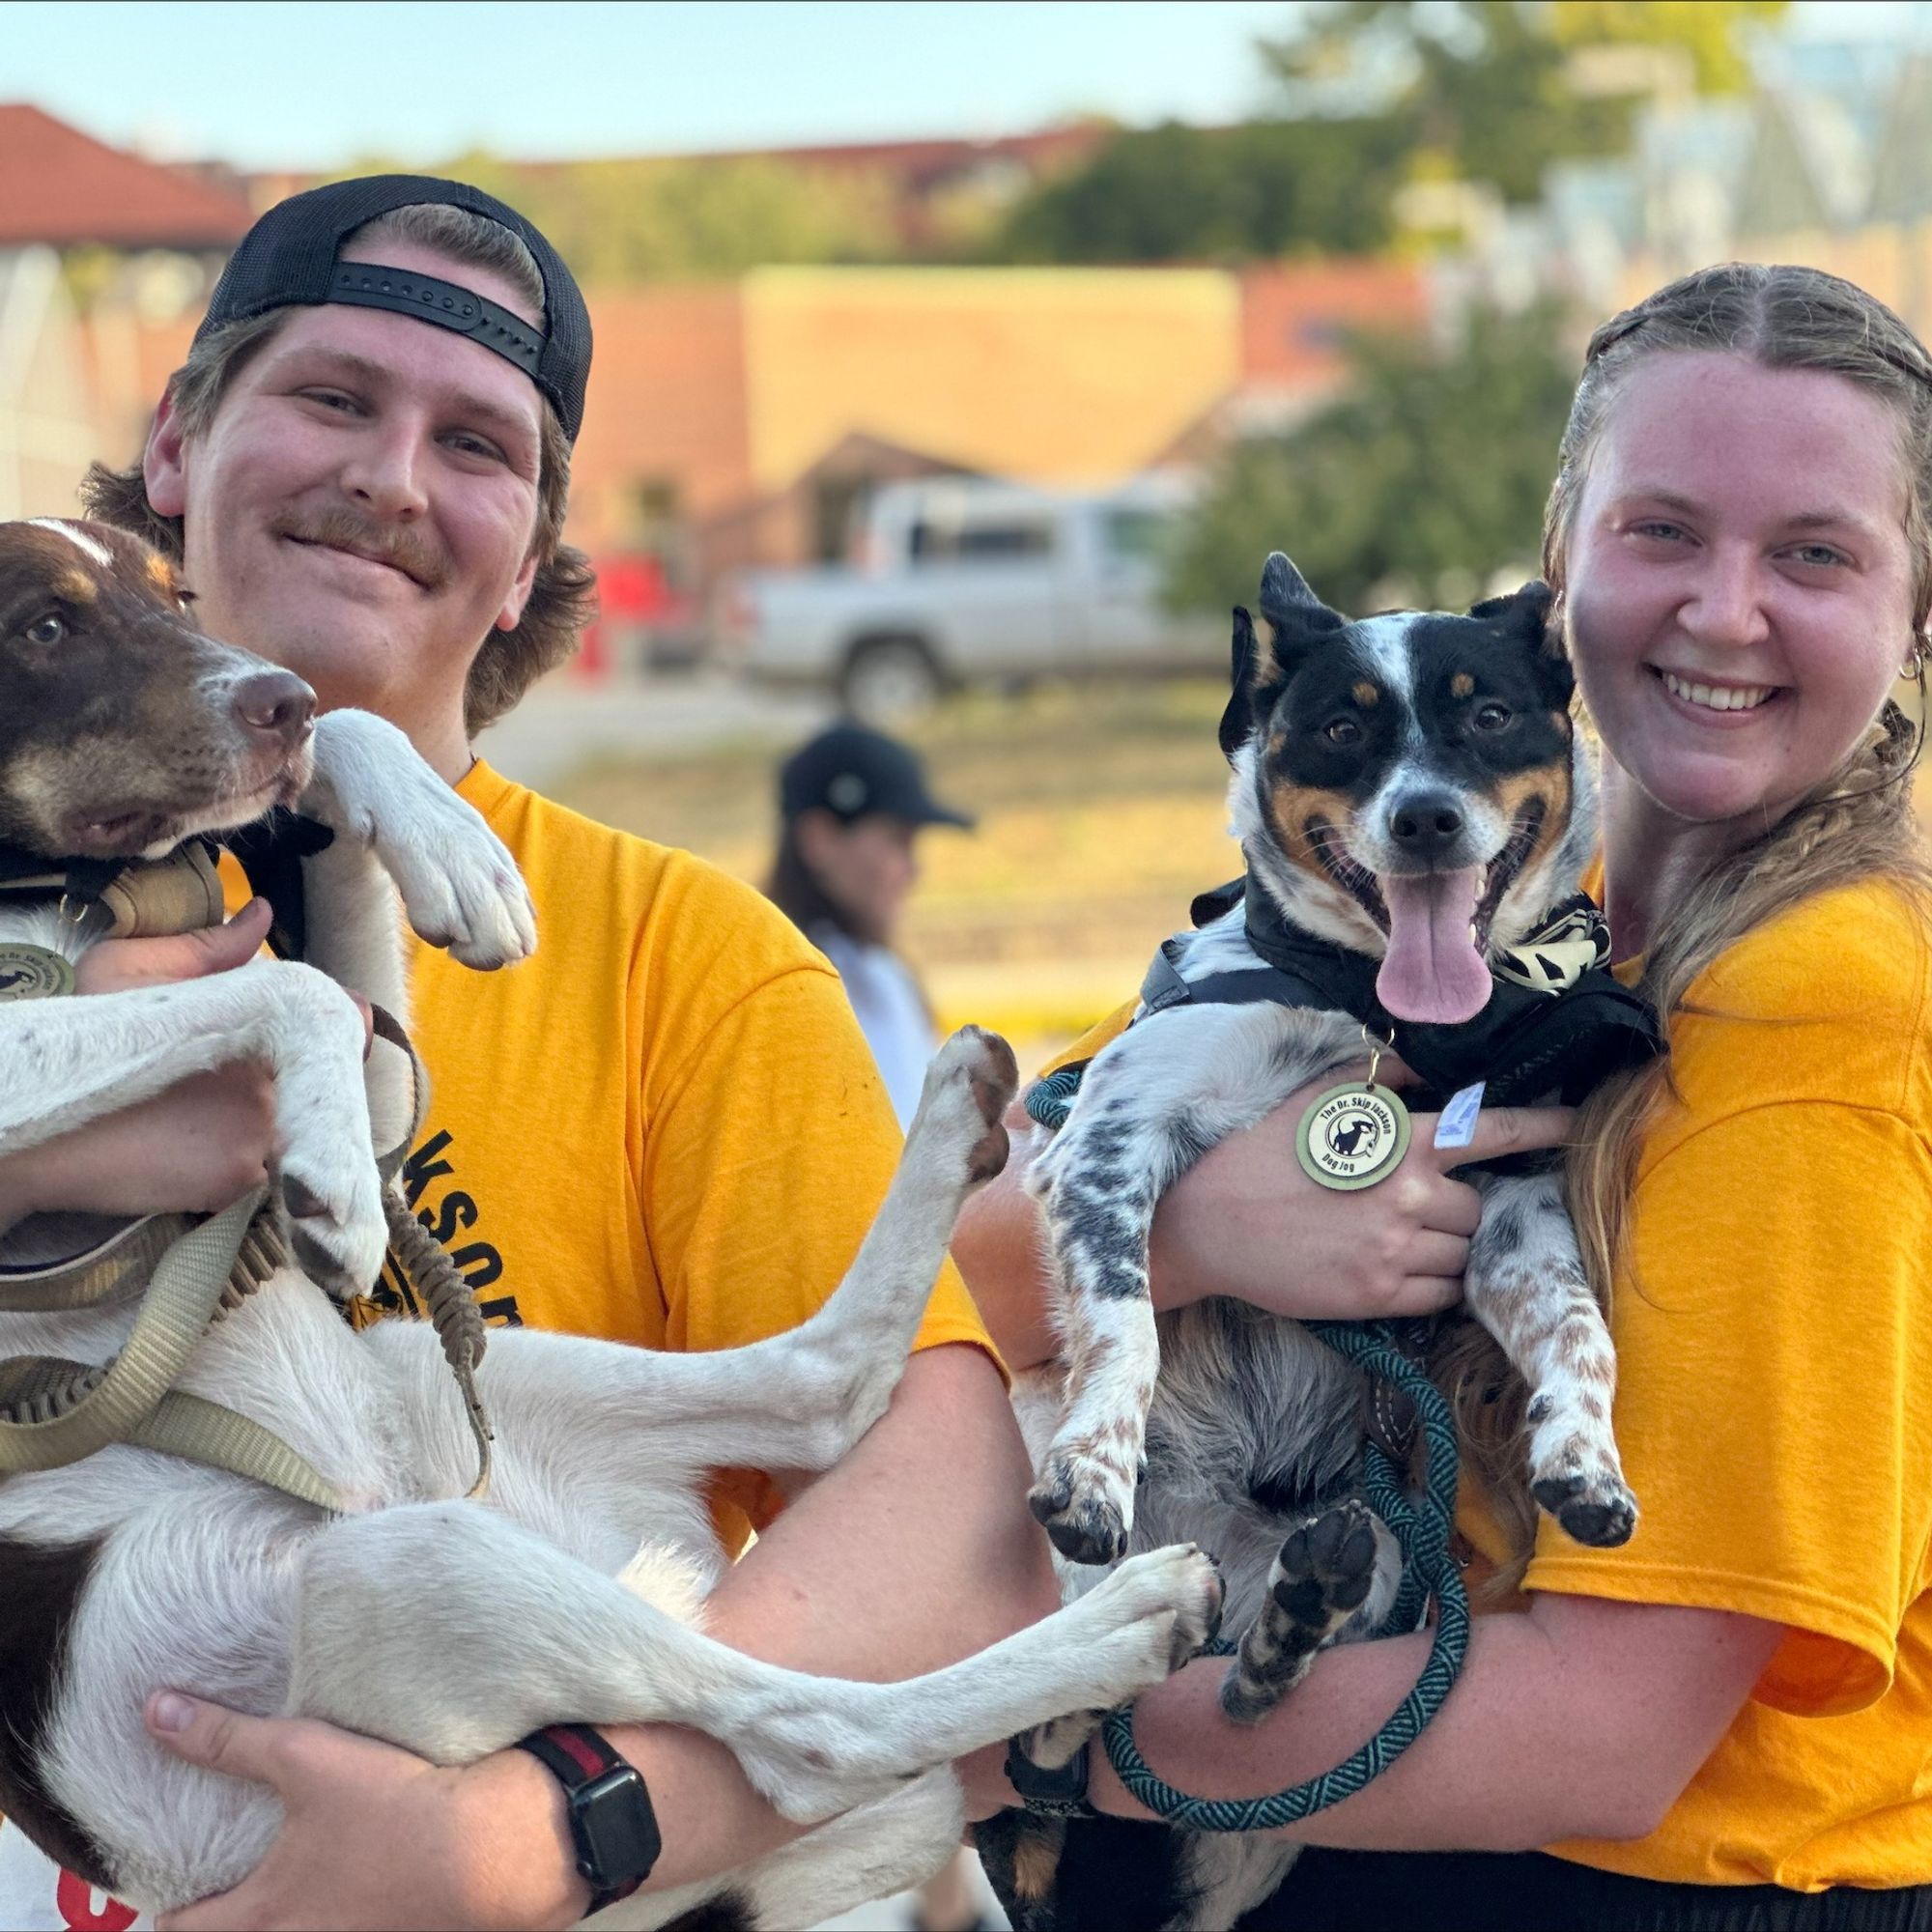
(1376, 94)
(1427, 474)
(620, 222)
(1495, 90)
(1709, 33)
(1174, 193)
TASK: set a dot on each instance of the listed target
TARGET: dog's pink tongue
(1432, 973)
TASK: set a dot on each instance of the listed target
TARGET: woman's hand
(1247, 1221)
(373, 1837)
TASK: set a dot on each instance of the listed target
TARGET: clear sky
(316, 83)
(299, 84)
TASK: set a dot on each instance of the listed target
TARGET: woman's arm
(1585, 1717)
(1246, 1221)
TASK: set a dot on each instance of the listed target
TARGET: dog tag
(1455, 1125)
(32, 973)
(1353, 1135)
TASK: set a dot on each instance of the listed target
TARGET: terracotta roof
(62, 188)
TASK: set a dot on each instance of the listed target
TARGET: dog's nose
(275, 703)
(1426, 824)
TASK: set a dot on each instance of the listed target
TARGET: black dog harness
(1558, 1020)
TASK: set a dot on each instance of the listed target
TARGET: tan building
(740, 422)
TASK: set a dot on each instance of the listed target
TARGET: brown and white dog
(451, 1627)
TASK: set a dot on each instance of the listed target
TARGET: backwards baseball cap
(851, 772)
(290, 255)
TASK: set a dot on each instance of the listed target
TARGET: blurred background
(958, 366)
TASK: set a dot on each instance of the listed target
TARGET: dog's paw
(1085, 1507)
(336, 1232)
(968, 1085)
(1321, 1579)
(1165, 1604)
(460, 887)
(1324, 1571)
(1593, 1505)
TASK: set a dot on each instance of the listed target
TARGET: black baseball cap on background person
(289, 257)
(851, 772)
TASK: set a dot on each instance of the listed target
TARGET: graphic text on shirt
(480, 1262)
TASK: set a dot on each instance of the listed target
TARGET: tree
(621, 222)
(1425, 476)
(1495, 90)
(1179, 193)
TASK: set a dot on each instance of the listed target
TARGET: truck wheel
(888, 680)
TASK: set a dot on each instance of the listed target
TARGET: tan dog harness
(191, 1271)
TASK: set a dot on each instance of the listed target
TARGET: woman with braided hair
(1727, 1721)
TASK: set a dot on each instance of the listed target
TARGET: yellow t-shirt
(664, 1128)
(1774, 1403)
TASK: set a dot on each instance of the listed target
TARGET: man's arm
(915, 1551)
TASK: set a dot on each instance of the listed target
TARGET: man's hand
(376, 1838)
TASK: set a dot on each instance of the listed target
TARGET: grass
(1102, 812)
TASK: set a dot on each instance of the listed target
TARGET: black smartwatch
(1050, 1794)
(612, 1823)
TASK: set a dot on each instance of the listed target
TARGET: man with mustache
(632, 1135)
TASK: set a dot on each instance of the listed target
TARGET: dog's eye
(47, 629)
(1493, 717)
(1342, 731)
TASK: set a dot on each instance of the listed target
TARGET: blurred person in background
(852, 804)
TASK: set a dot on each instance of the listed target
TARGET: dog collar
(1557, 1021)
(146, 898)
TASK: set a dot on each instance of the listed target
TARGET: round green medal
(1355, 1134)
(32, 973)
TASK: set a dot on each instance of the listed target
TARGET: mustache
(402, 548)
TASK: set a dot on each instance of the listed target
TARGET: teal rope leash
(1422, 1526)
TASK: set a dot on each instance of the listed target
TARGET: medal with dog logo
(32, 973)
(1353, 1135)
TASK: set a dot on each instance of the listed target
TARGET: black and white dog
(1411, 800)
(446, 1626)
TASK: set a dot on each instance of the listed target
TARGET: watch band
(1060, 1793)
(612, 1823)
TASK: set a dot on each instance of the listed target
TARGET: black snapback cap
(851, 772)
(289, 258)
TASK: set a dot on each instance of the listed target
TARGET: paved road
(565, 720)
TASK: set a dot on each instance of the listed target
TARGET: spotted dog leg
(1526, 1283)
(1320, 1584)
(1152, 1104)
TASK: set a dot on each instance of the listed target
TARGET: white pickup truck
(956, 581)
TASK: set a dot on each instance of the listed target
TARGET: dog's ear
(1525, 614)
(1293, 617)
(1238, 720)
(1270, 647)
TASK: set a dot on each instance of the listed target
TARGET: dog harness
(192, 1271)
(1558, 1020)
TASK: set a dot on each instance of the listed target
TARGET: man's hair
(563, 597)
